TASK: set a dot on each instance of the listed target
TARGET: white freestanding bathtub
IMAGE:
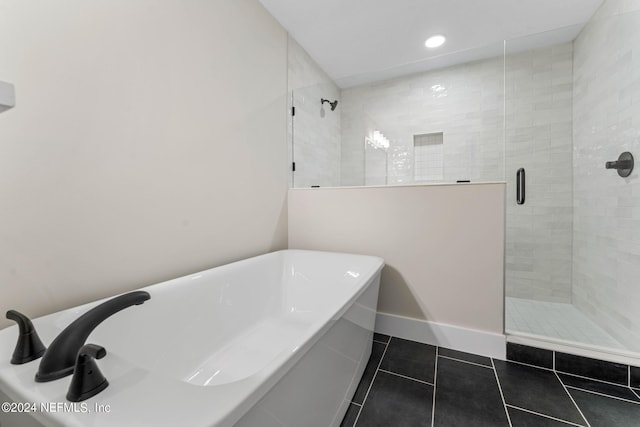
(276, 340)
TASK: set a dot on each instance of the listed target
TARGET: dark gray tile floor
(412, 384)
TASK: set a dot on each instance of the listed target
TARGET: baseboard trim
(454, 337)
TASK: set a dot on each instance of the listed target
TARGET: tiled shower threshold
(577, 348)
(562, 328)
(560, 321)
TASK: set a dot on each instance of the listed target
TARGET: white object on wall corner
(458, 338)
(7, 96)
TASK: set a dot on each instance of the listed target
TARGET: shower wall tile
(539, 138)
(606, 115)
(464, 102)
(355, 127)
(315, 129)
(376, 165)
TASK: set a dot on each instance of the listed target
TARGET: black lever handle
(29, 346)
(87, 379)
(619, 164)
(520, 184)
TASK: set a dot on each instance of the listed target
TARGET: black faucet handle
(29, 346)
(87, 379)
(92, 350)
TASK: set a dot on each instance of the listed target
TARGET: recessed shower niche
(428, 157)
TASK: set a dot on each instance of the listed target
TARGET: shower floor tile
(556, 320)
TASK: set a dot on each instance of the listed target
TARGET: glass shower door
(573, 247)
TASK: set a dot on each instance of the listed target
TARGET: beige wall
(148, 141)
(443, 245)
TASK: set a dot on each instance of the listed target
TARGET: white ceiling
(360, 41)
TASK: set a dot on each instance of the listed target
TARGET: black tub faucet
(60, 358)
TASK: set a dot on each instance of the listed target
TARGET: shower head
(333, 104)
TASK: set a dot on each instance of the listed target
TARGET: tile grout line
(435, 381)
(466, 361)
(375, 374)
(603, 394)
(504, 403)
(571, 397)
(543, 415)
(404, 376)
(634, 392)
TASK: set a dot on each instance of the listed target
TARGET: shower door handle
(520, 184)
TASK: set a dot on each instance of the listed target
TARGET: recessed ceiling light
(435, 41)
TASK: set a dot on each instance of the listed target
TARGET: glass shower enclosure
(547, 114)
(573, 247)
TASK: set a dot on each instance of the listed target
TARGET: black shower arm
(333, 104)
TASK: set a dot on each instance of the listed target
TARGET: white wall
(606, 112)
(443, 245)
(465, 102)
(316, 129)
(539, 139)
(148, 141)
(7, 96)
